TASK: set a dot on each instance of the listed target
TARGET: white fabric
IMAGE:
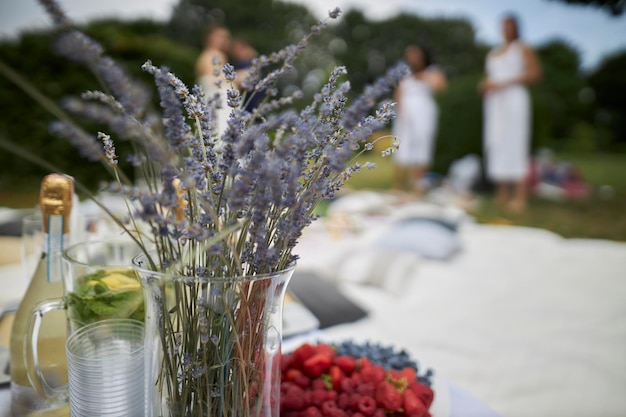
(415, 125)
(530, 323)
(223, 112)
(507, 117)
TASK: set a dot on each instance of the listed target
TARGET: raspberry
(380, 413)
(356, 377)
(318, 396)
(348, 385)
(327, 407)
(367, 406)
(318, 383)
(286, 362)
(310, 412)
(357, 414)
(346, 363)
(353, 404)
(368, 389)
(412, 405)
(424, 393)
(292, 397)
(308, 398)
(316, 365)
(338, 412)
(388, 397)
(343, 401)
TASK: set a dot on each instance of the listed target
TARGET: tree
(277, 21)
(609, 85)
(558, 107)
(614, 7)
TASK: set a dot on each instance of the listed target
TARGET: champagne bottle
(28, 393)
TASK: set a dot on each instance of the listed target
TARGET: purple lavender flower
(109, 148)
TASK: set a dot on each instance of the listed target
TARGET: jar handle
(31, 354)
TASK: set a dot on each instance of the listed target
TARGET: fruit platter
(353, 380)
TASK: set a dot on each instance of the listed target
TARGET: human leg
(518, 202)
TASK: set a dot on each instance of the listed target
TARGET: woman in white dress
(415, 125)
(209, 71)
(507, 115)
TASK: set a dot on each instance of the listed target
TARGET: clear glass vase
(213, 345)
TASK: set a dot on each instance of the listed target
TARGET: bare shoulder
(527, 49)
(435, 77)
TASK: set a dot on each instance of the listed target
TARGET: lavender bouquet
(219, 207)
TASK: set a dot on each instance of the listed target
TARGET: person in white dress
(507, 115)
(415, 126)
(209, 71)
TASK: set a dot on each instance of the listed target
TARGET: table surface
(453, 402)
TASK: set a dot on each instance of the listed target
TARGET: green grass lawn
(593, 218)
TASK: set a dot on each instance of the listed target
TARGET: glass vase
(213, 345)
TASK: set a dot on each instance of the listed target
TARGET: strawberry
(413, 405)
(326, 350)
(316, 365)
(297, 377)
(388, 397)
(410, 374)
(336, 376)
(301, 354)
(291, 374)
(424, 393)
(373, 373)
(346, 363)
(365, 363)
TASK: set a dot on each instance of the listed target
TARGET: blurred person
(416, 123)
(242, 54)
(209, 70)
(509, 67)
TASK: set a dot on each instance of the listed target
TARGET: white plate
(441, 404)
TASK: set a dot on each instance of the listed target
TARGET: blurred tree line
(573, 110)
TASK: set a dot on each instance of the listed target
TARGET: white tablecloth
(520, 319)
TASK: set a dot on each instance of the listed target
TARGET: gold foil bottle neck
(55, 198)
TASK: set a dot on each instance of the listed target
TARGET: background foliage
(573, 110)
